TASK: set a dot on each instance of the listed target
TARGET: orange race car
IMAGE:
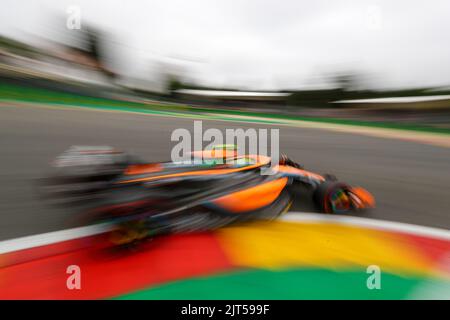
(149, 199)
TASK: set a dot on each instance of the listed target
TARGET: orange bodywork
(299, 172)
(367, 199)
(143, 168)
(252, 198)
(189, 173)
(259, 161)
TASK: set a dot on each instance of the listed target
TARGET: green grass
(284, 284)
(11, 92)
(27, 94)
(387, 125)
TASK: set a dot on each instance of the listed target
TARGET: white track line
(368, 223)
(43, 239)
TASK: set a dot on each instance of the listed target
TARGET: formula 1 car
(220, 188)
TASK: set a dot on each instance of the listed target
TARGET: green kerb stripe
(284, 284)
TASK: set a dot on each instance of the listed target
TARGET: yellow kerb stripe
(274, 245)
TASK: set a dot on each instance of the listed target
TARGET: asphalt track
(409, 180)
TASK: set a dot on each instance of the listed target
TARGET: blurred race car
(220, 188)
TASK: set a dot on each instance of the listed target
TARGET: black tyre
(333, 197)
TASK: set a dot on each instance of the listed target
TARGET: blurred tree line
(345, 86)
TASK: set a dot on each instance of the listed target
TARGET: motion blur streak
(409, 180)
(359, 91)
(277, 256)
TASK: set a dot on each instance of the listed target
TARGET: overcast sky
(262, 44)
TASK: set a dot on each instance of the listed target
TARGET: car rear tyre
(333, 197)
